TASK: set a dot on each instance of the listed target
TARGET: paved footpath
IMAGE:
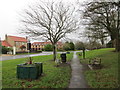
(77, 79)
(6, 57)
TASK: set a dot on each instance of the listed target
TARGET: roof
(44, 43)
(47, 43)
(6, 44)
(40, 43)
(59, 43)
(19, 39)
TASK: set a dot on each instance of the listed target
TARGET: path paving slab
(77, 79)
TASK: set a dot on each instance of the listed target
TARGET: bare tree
(105, 15)
(49, 20)
(96, 32)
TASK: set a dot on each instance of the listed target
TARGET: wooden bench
(95, 63)
(80, 54)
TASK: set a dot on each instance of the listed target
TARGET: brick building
(19, 43)
(41, 45)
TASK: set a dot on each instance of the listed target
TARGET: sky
(9, 16)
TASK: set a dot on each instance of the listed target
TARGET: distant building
(41, 45)
(6, 44)
(20, 43)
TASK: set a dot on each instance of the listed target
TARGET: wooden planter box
(31, 71)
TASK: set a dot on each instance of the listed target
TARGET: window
(17, 43)
(23, 43)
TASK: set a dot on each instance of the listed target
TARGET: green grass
(107, 77)
(53, 77)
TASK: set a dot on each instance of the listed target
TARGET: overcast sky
(9, 15)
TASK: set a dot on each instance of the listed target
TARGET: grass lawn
(107, 77)
(53, 77)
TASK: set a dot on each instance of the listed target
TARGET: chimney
(6, 37)
(26, 37)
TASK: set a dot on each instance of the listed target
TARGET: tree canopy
(106, 17)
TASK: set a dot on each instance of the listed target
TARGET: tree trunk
(117, 41)
(54, 52)
(113, 40)
(117, 46)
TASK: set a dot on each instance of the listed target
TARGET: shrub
(69, 46)
(48, 47)
(22, 47)
(5, 50)
(79, 45)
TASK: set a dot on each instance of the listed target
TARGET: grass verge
(53, 77)
(107, 77)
